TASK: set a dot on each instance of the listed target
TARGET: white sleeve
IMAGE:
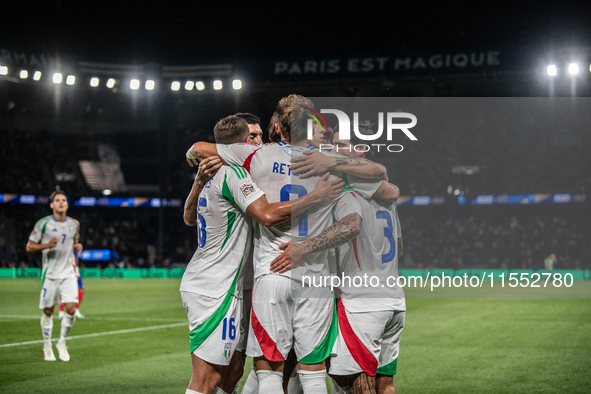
(37, 233)
(241, 189)
(346, 205)
(236, 154)
(365, 187)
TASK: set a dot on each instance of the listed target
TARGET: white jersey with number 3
(224, 234)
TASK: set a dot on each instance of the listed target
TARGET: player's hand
(52, 243)
(293, 254)
(78, 248)
(208, 168)
(329, 190)
(191, 157)
(312, 163)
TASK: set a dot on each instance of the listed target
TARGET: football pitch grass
(135, 340)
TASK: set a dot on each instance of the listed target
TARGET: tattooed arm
(314, 162)
(340, 232)
(387, 192)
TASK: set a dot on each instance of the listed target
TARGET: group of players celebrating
(289, 211)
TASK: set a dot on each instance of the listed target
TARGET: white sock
(219, 391)
(67, 324)
(251, 385)
(294, 386)
(270, 381)
(189, 391)
(46, 328)
(313, 382)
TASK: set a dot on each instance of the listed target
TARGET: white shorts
(214, 326)
(52, 289)
(367, 342)
(275, 305)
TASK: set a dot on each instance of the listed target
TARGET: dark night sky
(199, 32)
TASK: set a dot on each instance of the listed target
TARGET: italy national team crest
(227, 350)
(247, 189)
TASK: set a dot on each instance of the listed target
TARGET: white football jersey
(224, 234)
(269, 166)
(58, 262)
(374, 252)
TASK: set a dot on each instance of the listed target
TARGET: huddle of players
(325, 230)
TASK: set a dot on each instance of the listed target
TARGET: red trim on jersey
(246, 164)
(268, 345)
(361, 355)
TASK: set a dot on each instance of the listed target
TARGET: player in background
(312, 332)
(255, 135)
(549, 263)
(56, 236)
(80, 297)
(224, 239)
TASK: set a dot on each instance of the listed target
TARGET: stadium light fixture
(237, 84)
(150, 84)
(134, 84)
(94, 82)
(217, 85)
(57, 78)
(3, 70)
(552, 70)
(175, 86)
(24, 74)
(70, 80)
(189, 85)
(107, 192)
(573, 68)
(111, 83)
(37, 75)
(200, 85)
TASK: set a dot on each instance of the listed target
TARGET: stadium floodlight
(71, 80)
(134, 84)
(150, 84)
(37, 75)
(3, 70)
(200, 85)
(573, 68)
(57, 78)
(111, 83)
(189, 85)
(175, 86)
(24, 74)
(94, 82)
(552, 70)
(217, 84)
(107, 192)
(237, 84)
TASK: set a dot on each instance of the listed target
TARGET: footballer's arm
(34, 247)
(207, 169)
(313, 162)
(387, 192)
(201, 150)
(270, 215)
(337, 234)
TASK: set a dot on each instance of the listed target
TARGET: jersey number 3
(201, 234)
(389, 234)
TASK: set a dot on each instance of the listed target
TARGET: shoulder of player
(76, 222)
(43, 221)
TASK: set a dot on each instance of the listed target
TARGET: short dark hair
(250, 118)
(230, 130)
(365, 129)
(273, 136)
(55, 193)
(292, 118)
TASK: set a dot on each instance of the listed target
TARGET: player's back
(269, 166)
(224, 234)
